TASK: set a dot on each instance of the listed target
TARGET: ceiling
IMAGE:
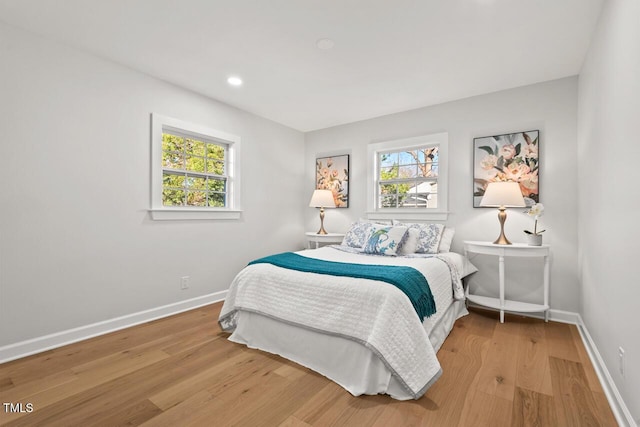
(388, 55)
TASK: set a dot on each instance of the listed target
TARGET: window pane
(216, 185)
(402, 197)
(194, 147)
(403, 189)
(195, 164)
(407, 157)
(172, 197)
(428, 169)
(215, 151)
(421, 195)
(196, 183)
(216, 200)
(173, 160)
(171, 180)
(428, 154)
(388, 173)
(408, 171)
(215, 166)
(388, 201)
(388, 159)
(421, 156)
(388, 188)
(413, 197)
(196, 198)
(172, 142)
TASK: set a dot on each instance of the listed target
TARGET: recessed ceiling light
(324, 44)
(234, 81)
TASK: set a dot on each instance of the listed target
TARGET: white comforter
(373, 313)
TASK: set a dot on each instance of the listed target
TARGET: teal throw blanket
(407, 279)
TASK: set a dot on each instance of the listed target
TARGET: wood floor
(182, 371)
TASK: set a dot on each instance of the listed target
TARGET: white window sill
(167, 214)
(408, 215)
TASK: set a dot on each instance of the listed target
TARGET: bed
(362, 333)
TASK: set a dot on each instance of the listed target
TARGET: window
(194, 171)
(408, 178)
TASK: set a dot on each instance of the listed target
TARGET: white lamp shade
(507, 194)
(322, 199)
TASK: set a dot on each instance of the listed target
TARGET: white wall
(76, 242)
(550, 107)
(77, 245)
(608, 153)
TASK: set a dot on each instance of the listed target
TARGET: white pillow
(384, 240)
(429, 236)
(410, 242)
(447, 238)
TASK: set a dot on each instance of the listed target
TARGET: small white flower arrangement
(536, 212)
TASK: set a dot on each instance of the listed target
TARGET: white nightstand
(323, 239)
(514, 250)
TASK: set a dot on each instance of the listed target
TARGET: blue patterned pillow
(357, 235)
(384, 240)
(429, 237)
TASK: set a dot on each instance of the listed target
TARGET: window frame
(161, 124)
(441, 140)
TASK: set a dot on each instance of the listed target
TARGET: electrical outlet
(184, 282)
(621, 366)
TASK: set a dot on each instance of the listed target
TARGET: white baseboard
(555, 315)
(59, 339)
(619, 408)
(563, 316)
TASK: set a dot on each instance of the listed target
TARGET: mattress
(387, 364)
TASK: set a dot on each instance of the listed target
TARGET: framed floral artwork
(508, 157)
(332, 173)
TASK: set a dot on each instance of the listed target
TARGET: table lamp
(502, 195)
(322, 199)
